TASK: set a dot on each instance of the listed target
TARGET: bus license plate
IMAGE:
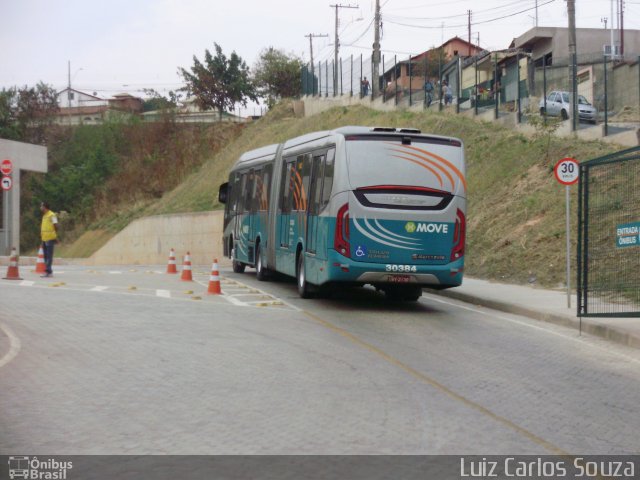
(399, 278)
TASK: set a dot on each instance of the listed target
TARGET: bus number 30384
(401, 268)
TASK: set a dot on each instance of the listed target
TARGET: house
(190, 112)
(552, 44)
(549, 48)
(410, 74)
(124, 102)
(78, 107)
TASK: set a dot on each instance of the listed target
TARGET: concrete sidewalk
(546, 305)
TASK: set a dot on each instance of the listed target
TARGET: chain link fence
(609, 236)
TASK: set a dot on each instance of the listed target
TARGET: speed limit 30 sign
(567, 171)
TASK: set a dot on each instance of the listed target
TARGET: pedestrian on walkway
(365, 87)
(49, 236)
(448, 94)
(428, 92)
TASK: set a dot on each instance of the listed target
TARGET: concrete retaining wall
(147, 241)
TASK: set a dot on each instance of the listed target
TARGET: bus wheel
(261, 272)
(238, 267)
(303, 287)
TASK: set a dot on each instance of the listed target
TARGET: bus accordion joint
(341, 237)
(459, 234)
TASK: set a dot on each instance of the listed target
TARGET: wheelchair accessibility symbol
(361, 251)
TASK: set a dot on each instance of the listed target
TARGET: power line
(474, 23)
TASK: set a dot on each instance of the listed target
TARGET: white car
(558, 105)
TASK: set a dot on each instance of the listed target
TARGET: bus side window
(254, 188)
(301, 183)
(266, 184)
(316, 188)
(287, 186)
(241, 195)
(328, 178)
(250, 192)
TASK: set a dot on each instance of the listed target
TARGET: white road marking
(163, 293)
(26, 283)
(115, 272)
(99, 288)
(14, 345)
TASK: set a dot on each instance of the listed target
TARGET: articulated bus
(355, 205)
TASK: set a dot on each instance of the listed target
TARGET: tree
(25, 112)
(220, 82)
(277, 75)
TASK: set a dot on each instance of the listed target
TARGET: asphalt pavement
(533, 302)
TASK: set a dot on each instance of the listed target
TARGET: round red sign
(6, 167)
(567, 171)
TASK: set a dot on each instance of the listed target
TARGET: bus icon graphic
(18, 467)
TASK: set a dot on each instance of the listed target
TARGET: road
(129, 360)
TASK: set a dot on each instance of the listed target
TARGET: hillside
(515, 208)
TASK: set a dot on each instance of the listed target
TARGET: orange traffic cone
(12, 271)
(171, 266)
(214, 280)
(186, 269)
(40, 266)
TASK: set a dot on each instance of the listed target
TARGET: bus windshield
(387, 161)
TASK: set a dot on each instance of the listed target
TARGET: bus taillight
(459, 234)
(341, 236)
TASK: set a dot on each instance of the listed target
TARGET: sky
(128, 45)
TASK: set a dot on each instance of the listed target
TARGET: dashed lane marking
(163, 293)
(99, 288)
(26, 283)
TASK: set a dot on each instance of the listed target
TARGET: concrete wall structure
(147, 241)
(23, 156)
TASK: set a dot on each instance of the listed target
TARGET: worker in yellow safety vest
(49, 235)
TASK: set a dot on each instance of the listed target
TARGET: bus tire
(304, 290)
(261, 271)
(237, 266)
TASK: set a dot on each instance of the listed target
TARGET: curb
(588, 326)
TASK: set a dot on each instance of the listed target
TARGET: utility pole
(621, 29)
(313, 76)
(375, 87)
(571, 13)
(69, 83)
(536, 13)
(337, 47)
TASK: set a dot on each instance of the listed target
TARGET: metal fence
(502, 82)
(609, 236)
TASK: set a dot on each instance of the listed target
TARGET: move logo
(441, 228)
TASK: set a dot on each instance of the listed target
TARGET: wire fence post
(496, 88)
(458, 86)
(475, 87)
(326, 78)
(351, 76)
(544, 85)
(361, 92)
(426, 79)
(341, 72)
(519, 111)
(384, 86)
(395, 74)
(606, 99)
(410, 78)
(440, 80)
(319, 79)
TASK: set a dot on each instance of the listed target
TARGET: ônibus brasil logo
(410, 227)
(32, 468)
